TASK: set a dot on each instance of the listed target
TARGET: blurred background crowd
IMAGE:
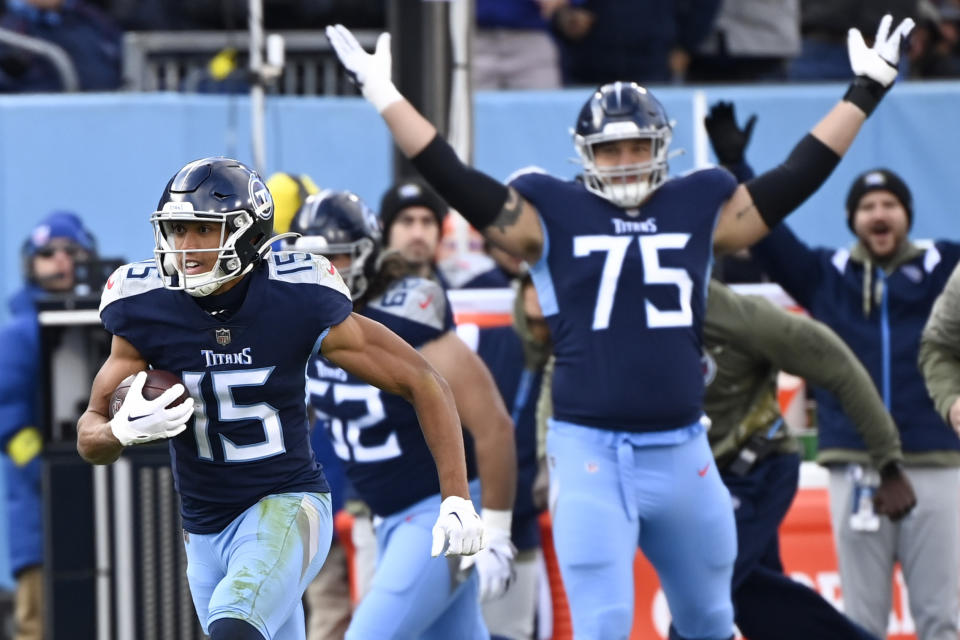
(521, 44)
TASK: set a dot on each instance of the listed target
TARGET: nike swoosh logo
(332, 270)
(135, 418)
(426, 303)
(703, 472)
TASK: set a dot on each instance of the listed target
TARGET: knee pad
(233, 629)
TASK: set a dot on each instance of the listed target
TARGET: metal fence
(179, 60)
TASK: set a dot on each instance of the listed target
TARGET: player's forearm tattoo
(510, 212)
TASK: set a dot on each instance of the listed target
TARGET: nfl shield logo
(223, 337)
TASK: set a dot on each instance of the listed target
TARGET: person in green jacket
(747, 340)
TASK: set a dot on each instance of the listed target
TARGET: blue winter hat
(59, 224)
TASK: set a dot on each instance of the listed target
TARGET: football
(157, 382)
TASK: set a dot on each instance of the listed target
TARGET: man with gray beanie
(412, 216)
(877, 295)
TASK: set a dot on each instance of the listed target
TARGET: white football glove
(458, 530)
(879, 62)
(370, 72)
(140, 420)
(495, 562)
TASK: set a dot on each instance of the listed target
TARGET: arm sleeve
(742, 171)
(804, 347)
(790, 263)
(939, 352)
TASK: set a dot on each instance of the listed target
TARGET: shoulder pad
(416, 299)
(305, 268)
(130, 280)
(526, 171)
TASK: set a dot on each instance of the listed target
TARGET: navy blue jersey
(624, 294)
(377, 434)
(248, 437)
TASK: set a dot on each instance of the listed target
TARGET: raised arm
(378, 356)
(761, 203)
(503, 216)
(484, 415)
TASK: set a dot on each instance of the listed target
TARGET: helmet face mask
(338, 223)
(623, 111)
(216, 191)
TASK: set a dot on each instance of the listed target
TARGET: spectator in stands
(934, 50)
(54, 247)
(646, 41)
(751, 40)
(412, 215)
(88, 36)
(516, 356)
(824, 25)
(512, 46)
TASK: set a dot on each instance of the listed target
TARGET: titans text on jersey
(245, 373)
(620, 287)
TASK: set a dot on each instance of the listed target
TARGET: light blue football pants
(414, 595)
(259, 566)
(609, 494)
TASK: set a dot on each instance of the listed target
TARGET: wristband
(865, 93)
(497, 519)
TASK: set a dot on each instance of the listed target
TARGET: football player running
(412, 595)
(620, 262)
(255, 505)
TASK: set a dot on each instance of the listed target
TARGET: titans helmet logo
(261, 198)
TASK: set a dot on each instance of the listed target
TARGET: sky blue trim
(775, 427)
(319, 342)
(523, 393)
(542, 280)
(884, 339)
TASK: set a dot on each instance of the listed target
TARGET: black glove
(894, 497)
(728, 140)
